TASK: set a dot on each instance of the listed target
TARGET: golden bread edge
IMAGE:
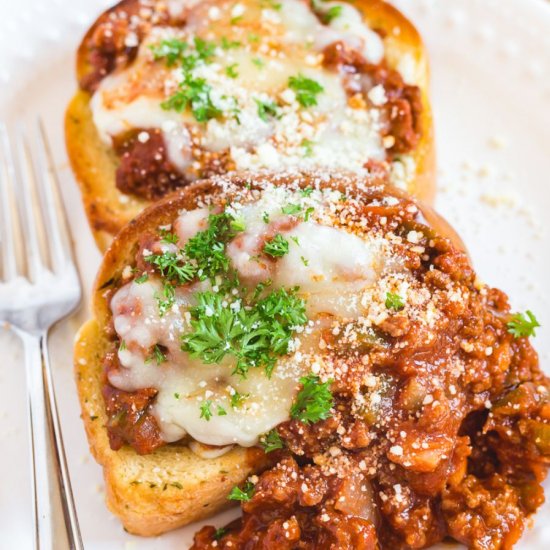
(154, 493)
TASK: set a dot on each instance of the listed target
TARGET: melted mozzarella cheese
(112, 119)
(349, 27)
(184, 384)
(335, 135)
(332, 268)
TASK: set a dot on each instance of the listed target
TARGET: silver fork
(39, 285)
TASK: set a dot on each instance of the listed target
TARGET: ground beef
(144, 168)
(440, 424)
(403, 108)
(294, 507)
(454, 441)
(111, 42)
(129, 418)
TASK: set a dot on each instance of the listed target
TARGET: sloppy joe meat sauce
(146, 171)
(440, 424)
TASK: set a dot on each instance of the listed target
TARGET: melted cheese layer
(287, 43)
(332, 267)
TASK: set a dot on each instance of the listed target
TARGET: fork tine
(52, 204)
(7, 242)
(25, 204)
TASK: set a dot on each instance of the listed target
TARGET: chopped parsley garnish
(231, 70)
(237, 399)
(195, 94)
(308, 213)
(167, 299)
(523, 325)
(142, 278)
(291, 209)
(276, 247)
(167, 237)
(306, 90)
(221, 411)
(265, 217)
(260, 287)
(306, 192)
(296, 240)
(177, 395)
(237, 224)
(172, 50)
(331, 14)
(394, 301)
(304, 261)
(172, 266)
(219, 533)
(122, 345)
(314, 400)
(158, 355)
(230, 44)
(244, 494)
(255, 335)
(175, 50)
(202, 257)
(259, 62)
(207, 248)
(205, 50)
(273, 4)
(307, 144)
(266, 109)
(271, 441)
(206, 411)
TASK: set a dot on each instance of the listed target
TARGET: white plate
(491, 93)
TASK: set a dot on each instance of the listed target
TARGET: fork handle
(67, 499)
(41, 487)
(44, 432)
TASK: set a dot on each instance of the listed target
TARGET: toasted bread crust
(161, 491)
(94, 163)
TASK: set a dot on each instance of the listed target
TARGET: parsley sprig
(523, 325)
(193, 93)
(237, 399)
(176, 51)
(207, 248)
(202, 257)
(219, 533)
(244, 494)
(271, 441)
(394, 301)
(314, 400)
(172, 266)
(276, 247)
(331, 14)
(266, 109)
(306, 89)
(255, 334)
